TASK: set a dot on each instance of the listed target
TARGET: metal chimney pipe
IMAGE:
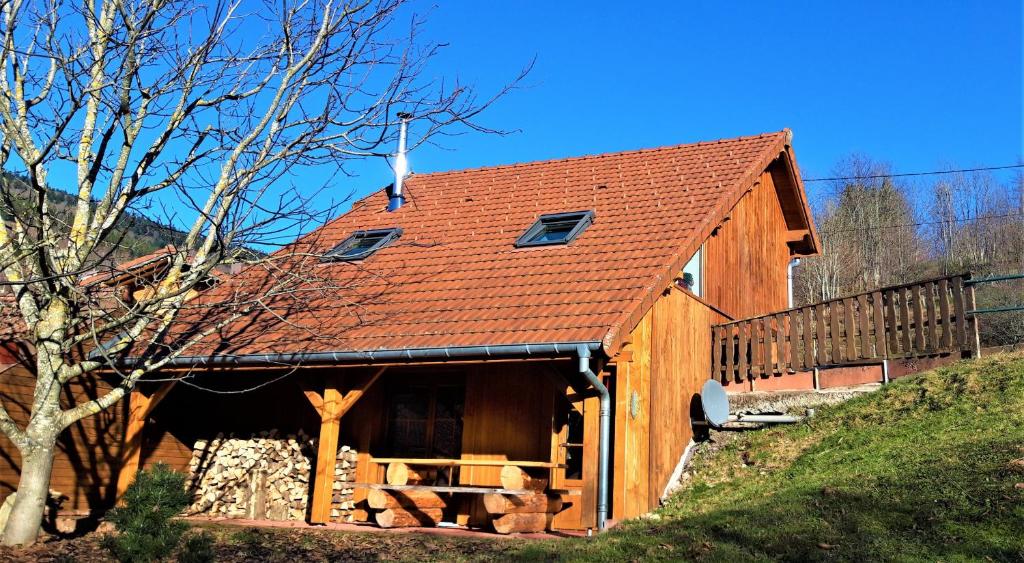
(401, 165)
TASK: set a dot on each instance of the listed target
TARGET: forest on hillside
(137, 235)
(878, 230)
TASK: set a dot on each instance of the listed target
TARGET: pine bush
(145, 522)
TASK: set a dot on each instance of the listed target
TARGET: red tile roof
(455, 278)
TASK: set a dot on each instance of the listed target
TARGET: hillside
(930, 468)
(137, 235)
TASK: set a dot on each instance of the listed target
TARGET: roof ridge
(782, 132)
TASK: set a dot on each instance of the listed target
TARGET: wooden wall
(668, 365)
(88, 454)
(745, 274)
(508, 416)
(746, 260)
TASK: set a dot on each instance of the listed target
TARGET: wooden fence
(914, 320)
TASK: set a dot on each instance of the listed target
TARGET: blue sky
(922, 85)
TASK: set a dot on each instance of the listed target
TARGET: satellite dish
(715, 403)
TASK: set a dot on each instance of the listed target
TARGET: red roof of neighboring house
(455, 277)
(12, 325)
(132, 268)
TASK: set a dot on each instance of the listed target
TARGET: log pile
(523, 513)
(399, 509)
(414, 500)
(264, 477)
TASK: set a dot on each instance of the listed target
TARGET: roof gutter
(401, 354)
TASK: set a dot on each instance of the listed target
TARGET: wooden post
(331, 406)
(327, 453)
(140, 407)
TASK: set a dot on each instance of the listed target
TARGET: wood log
(513, 477)
(524, 523)
(401, 518)
(402, 474)
(514, 504)
(379, 499)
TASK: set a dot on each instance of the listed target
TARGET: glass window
(426, 421)
(693, 273)
(559, 228)
(361, 244)
(574, 445)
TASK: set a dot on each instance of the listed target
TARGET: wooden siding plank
(744, 372)
(960, 334)
(931, 333)
(717, 351)
(819, 312)
(756, 349)
(946, 339)
(864, 325)
(808, 335)
(730, 351)
(877, 307)
(767, 362)
(906, 296)
(782, 344)
(892, 321)
(919, 338)
(850, 328)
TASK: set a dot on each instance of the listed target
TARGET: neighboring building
(479, 320)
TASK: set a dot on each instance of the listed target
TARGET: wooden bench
(523, 503)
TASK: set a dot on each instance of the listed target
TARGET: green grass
(922, 470)
(926, 469)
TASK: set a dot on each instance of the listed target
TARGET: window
(559, 228)
(574, 445)
(425, 420)
(362, 244)
(693, 273)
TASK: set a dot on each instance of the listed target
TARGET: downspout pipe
(603, 451)
(789, 279)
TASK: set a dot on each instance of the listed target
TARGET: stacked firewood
(342, 503)
(263, 477)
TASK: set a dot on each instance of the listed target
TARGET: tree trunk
(33, 489)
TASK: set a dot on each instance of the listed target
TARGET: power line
(924, 223)
(930, 173)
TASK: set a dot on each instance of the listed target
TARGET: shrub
(197, 548)
(145, 525)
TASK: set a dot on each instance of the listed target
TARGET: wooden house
(545, 324)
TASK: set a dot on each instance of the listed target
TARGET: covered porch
(498, 445)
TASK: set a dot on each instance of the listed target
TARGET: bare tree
(205, 111)
(866, 224)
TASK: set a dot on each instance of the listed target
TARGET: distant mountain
(136, 235)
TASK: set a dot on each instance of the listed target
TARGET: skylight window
(558, 228)
(361, 244)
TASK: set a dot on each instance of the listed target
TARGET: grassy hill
(930, 468)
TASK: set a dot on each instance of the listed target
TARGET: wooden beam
(140, 407)
(333, 406)
(464, 462)
(315, 398)
(327, 453)
(353, 396)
